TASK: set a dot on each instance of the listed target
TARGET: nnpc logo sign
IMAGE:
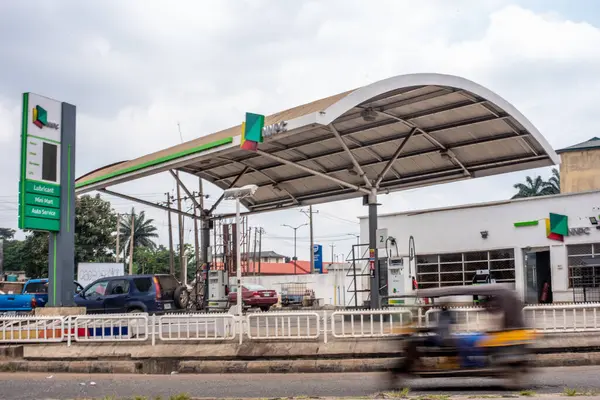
(557, 227)
(40, 119)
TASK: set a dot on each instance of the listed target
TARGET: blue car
(154, 294)
(34, 295)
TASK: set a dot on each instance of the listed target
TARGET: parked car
(33, 295)
(155, 294)
(254, 296)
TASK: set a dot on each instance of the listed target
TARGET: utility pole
(295, 230)
(254, 252)
(171, 256)
(131, 242)
(180, 223)
(260, 232)
(332, 245)
(1, 258)
(309, 214)
(118, 236)
(196, 240)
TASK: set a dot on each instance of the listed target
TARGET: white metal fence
(195, 327)
(564, 318)
(369, 323)
(109, 328)
(280, 326)
(30, 329)
(283, 325)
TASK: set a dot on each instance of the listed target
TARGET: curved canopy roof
(402, 132)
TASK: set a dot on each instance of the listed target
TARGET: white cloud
(136, 69)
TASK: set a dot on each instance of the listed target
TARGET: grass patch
(434, 397)
(527, 393)
(570, 392)
(180, 396)
(401, 394)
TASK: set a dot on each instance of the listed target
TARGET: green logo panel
(43, 201)
(42, 188)
(42, 212)
(42, 224)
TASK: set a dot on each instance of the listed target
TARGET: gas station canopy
(398, 133)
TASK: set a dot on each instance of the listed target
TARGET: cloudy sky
(137, 69)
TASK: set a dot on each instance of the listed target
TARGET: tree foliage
(537, 186)
(95, 225)
(7, 233)
(144, 232)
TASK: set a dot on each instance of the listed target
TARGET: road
(27, 386)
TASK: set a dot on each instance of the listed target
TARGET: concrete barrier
(262, 357)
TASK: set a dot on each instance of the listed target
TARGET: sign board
(89, 272)
(39, 186)
(252, 130)
(318, 258)
(382, 237)
(579, 231)
(274, 129)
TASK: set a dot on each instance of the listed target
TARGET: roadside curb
(168, 366)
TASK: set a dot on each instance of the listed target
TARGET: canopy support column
(373, 256)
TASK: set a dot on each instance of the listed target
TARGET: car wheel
(181, 297)
(265, 308)
(135, 311)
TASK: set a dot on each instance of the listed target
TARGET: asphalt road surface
(28, 386)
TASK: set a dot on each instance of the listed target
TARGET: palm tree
(144, 231)
(534, 187)
(553, 183)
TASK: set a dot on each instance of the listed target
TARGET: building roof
(398, 133)
(593, 143)
(484, 204)
(269, 268)
(263, 254)
(302, 268)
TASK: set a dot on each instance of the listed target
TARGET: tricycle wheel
(395, 380)
(517, 379)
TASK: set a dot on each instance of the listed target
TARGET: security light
(484, 234)
(369, 115)
(240, 193)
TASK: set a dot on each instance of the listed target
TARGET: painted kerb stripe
(157, 161)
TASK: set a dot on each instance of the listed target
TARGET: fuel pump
(482, 277)
(396, 282)
(218, 282)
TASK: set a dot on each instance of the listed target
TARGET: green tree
(7, 233)
(13, 255)
(553, 183)
(95, 225)
(144, 232)
(534, 187)
(152, 261)
(35, 254)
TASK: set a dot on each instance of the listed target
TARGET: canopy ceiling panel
(402, 132)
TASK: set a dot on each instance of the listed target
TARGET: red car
(255, 296)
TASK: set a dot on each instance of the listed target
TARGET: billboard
(318, 257)
(89, 272)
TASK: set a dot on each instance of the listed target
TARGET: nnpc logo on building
(557, 227)
(40, 119)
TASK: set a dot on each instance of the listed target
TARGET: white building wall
(454, 230)
(331, 288)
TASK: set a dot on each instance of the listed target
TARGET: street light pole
(295, 230)
(238, 261)
(238, 194)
